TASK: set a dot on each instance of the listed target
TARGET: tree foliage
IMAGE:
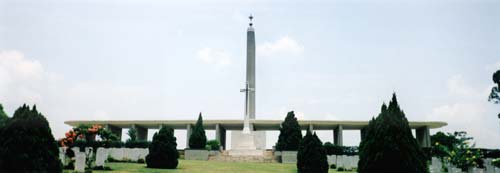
(198, 139)
(132, 133)
(495, 91)
(3, 115)
(27, 144)
(163, 150)
(455, 148)
(290, 134)
(311, 157)
(389, 146)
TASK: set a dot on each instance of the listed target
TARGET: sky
(325, 60)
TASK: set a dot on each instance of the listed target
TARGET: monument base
(249, 144)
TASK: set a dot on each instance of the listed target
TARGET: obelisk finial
(251, 18)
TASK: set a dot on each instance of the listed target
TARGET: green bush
(27, 144)
(341, 169)
(333, 166)
(388, 144)
(163, 150)
(137, 144)
(198, 139)
(332, 149)
(311, 156)
(290, 134)
(213, 145)
(496, 162)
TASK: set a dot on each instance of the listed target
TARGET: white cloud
(468, 112)
(214, 56)
(285, 45)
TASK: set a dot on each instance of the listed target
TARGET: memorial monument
(248, 141)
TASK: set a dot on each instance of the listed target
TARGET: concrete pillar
(311, 128)
(142, 133)
(337, 135)
(423, 136)
(115, 130)
(220, 135)
(188, 134)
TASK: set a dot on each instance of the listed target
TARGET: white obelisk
(248, 141)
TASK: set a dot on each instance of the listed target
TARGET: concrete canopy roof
(238, 124)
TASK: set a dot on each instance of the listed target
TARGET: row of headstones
(102, 154)
(347, 162)
(436, 166)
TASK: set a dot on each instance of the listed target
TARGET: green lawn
(191, 166)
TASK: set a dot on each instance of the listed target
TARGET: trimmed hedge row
(111, 144)
(332, 149)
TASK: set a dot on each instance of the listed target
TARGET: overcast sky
(331, 60)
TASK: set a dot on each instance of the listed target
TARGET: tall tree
(132, 133)
(311, 157)
(198, 139)
(290, 134)
(389, 146)
(495, 91)
(27, 144)
(3, 115)
(163, 150)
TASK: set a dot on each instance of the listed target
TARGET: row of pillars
(422, 134)
(142, 133)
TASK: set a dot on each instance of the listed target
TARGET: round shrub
(27, 144)
(213, 145)
(333, 166)
(311, 156)
(163, 150)
(198, 139)
(290, 134)
(389, 146)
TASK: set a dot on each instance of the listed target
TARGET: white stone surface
(246, 152)
(497, 170)
(80, 162)
(116, 153)
(332, 159)
(101, 156)
(62, 155)
(254, 140)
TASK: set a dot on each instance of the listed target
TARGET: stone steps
(268, 157)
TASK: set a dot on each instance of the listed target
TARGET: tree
(454, 148)
(27, 144)
(311, 157)
(495, 91)
(389, 145)
(3, 115)
(290, 134)
(163, 150)
(132, 132)
(198, 139)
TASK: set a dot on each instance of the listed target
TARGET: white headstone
(80, 162)
(331, 159)
(116, 153)
(101, 156)
(62, 155)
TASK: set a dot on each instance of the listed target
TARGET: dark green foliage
(163, 150)
(132, 133)
(198, 139)
(311, 157)
(3, 115)
(333, 166)
(290, 134)
(332, 149)
(389, 145)
(213, 145)
(495, 91)
(27, 144)
(137, 144)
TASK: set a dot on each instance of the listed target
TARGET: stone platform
(266, 157)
